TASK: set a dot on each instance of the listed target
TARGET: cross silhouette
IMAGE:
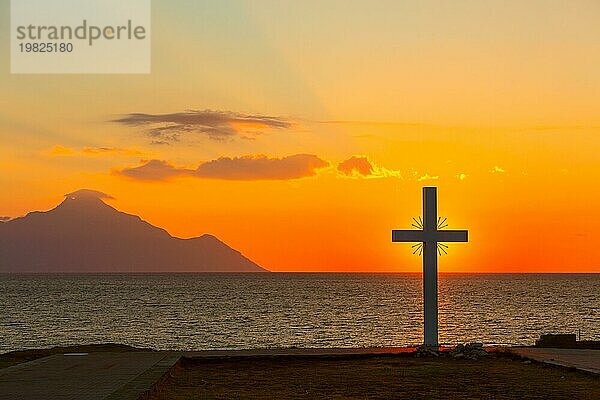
(430, 235)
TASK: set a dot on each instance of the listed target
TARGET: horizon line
(299, 272)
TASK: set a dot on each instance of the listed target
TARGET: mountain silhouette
(84, 234)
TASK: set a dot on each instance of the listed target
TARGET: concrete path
(93, 376)
(582, 359)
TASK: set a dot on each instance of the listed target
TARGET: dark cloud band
(217, 125)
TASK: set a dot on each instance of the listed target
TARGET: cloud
(4, 219)
(154, 170)
(63, 151)
(59, 150)
(461, 176)
(362, 167)
(428, 177)
(261, 167)
(92, 151)
(497, 170)
(359, 166)
(247, 168)
(216, 125)
(356, 165)
(88, 194)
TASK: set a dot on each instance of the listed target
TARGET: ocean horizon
(204, 311)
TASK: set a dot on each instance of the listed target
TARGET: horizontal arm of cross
(452, 236)
(407, 236)
(425, 236)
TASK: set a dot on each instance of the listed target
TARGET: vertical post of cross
(430, 278)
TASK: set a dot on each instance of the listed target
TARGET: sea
(290, 310)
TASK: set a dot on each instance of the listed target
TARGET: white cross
(430, 236)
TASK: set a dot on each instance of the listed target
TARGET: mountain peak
(86, 201)
(88, 194)
(84, 234)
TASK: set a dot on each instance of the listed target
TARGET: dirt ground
(382, 377)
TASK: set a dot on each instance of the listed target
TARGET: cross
(430, 235)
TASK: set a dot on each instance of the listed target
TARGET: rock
(424, 351)
(470, 351)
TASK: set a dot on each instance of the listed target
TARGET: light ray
(441, 249)
(417, 224)
(418, 248)
(442, 223)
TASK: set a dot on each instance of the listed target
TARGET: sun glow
(502, 120)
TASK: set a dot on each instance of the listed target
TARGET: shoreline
(586, 360)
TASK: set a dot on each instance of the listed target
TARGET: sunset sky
(301, 132)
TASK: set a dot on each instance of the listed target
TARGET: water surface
(239, 311)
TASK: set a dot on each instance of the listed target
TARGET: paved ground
(584, 360)
(92, 376)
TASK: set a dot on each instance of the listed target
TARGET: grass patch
(380, 377)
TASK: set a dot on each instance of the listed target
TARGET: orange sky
(497, 105)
